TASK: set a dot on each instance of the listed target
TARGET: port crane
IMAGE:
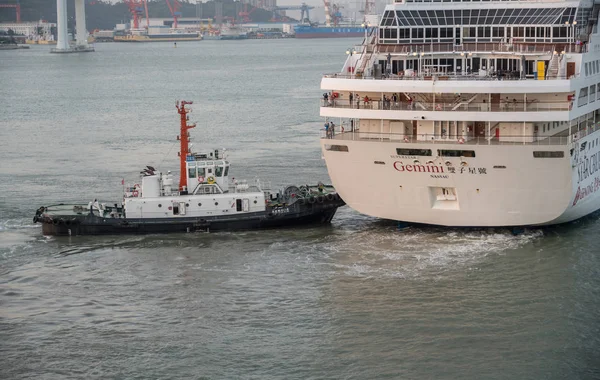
(17, 7)
(137, 8)
(245, 15)
(304, 9)
(174, 9)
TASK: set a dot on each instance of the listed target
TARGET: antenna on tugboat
(184, 142)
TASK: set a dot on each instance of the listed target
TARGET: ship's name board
(437, 171)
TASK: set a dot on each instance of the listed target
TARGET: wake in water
(381, 250)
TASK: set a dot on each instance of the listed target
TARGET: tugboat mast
(184, 142)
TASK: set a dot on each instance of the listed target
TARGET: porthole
(159, 205)
(255, 202)
(216, 203)
(199, 204)
(187, 205)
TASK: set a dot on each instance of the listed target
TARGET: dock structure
(81, 44)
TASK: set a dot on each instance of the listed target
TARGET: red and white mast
(184, 139)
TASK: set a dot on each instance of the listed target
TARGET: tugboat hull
(274, 217)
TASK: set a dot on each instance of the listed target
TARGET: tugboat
(206, 200)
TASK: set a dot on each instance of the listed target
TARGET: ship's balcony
(489, 137)
(516, 106)
(511, 76)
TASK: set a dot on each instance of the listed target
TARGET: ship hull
(511, 189)
(321, 211)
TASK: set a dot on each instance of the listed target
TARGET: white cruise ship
(470, 113)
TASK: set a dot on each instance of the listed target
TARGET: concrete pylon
(62, 45)
(63, 37)
(80, 22)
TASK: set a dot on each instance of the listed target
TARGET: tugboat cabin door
(242, 205)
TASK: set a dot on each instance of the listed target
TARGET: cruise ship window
(587, 69)
(456, 153)
(413, 152)
(552, 154)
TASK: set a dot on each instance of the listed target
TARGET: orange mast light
(184, 138)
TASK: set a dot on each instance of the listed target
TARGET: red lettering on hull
(583, 192)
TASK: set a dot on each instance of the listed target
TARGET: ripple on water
(418, 250)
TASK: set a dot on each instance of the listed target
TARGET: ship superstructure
(478, 113)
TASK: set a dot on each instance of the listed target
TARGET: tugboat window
(199, 204)
(219, 171)
(226, 170)
(201, 172)
(192, 172)
(216, 203)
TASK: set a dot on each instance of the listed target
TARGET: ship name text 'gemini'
(401, 167)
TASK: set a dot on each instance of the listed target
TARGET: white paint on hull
(527, 191)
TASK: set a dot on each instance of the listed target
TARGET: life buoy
(200, 179)
(135, 193)
(461, 140)
(210, 180)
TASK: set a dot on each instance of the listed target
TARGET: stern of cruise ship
(472, 118)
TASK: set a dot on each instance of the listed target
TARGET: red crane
(137, 8)
(17, 6)
(174, 9)
(245, 15)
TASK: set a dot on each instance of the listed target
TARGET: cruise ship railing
(358, 135)
(442, 77)
(517, 46)
(517, 106)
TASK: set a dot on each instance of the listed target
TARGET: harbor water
(359, 299)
